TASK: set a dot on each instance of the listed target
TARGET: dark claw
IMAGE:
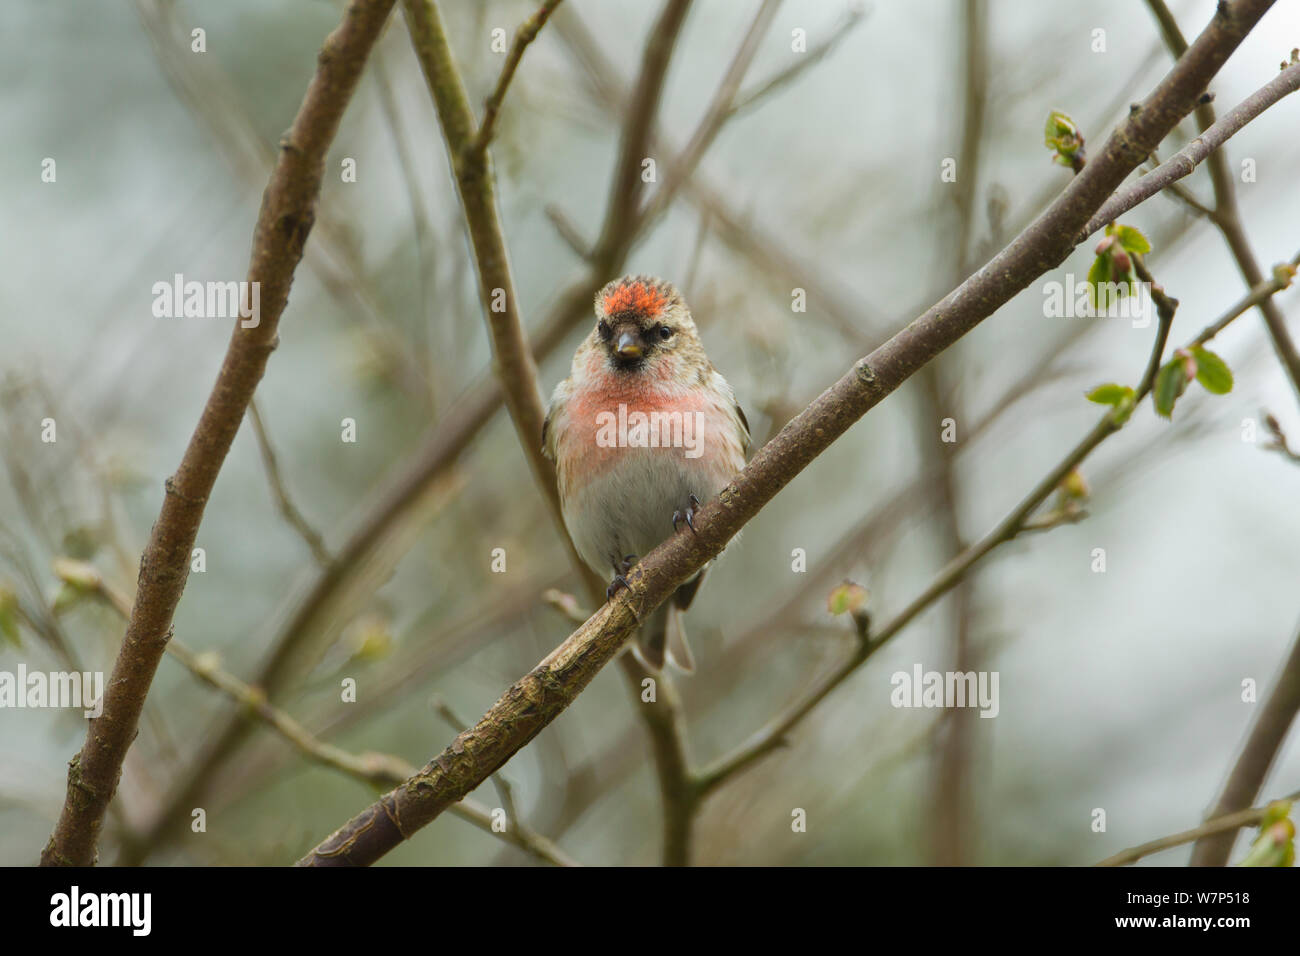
(621, 568)
(688, 516)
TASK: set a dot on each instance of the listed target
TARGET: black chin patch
(627, 364)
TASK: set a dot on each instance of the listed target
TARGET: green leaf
(1059, 128)
(1132, 240)
(1062, 136)
(1212, 372)
(1110, 394)
(1170, 382)
(1099, 273)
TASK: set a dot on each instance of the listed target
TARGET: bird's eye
(665, 333)
(603, 330)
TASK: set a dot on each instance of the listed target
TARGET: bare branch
(287, 214)
(838, 33)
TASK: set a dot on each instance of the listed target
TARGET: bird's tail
(663, 637)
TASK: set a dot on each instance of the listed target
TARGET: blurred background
(1119, 690)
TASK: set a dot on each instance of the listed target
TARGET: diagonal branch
(540, 696)
(284, 222)
(1181, 163)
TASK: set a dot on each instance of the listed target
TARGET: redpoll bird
(642, 432)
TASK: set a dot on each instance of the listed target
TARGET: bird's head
(643, 326)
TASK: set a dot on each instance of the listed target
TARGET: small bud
(847, 597)
(79, 574)
(1074, 485)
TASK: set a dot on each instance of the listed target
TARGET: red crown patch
(634, 297)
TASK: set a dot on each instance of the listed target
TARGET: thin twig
(525, 35)
(1227, 824)
(837, 34)
(1190, 156)
(282, 500)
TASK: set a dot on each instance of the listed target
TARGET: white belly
(628, 509)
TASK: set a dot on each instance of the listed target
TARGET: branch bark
(284, 222)
(537, 698)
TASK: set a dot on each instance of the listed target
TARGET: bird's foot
(686, 515)
(621, 568)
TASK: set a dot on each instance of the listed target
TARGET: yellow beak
(628, 347)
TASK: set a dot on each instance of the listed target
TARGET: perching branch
(287, 214)
(537, 698)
